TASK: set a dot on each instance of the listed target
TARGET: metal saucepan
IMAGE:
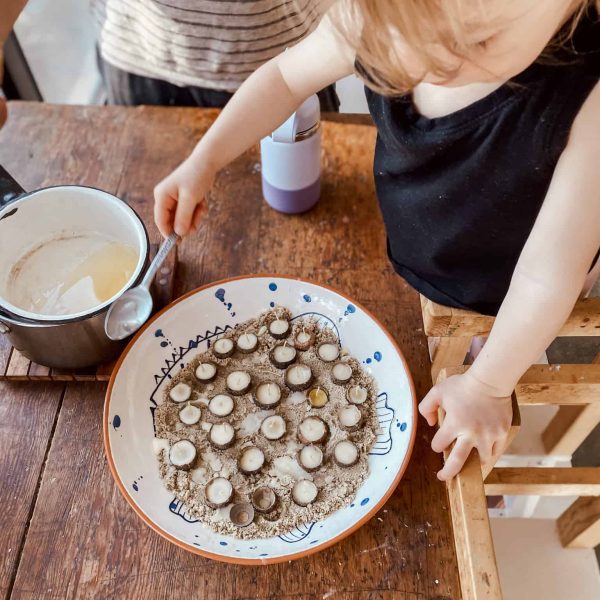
(27, 218)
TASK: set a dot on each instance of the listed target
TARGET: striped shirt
(214, 44)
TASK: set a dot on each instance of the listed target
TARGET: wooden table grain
(65, 530)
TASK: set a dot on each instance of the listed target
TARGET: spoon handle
(162, 253)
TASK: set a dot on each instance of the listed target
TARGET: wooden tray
(20, 368)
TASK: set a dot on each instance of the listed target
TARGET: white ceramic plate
(182, 330)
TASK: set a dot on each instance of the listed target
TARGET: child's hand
(476, 417)
(180, 198)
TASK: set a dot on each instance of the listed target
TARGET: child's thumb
(430, 404)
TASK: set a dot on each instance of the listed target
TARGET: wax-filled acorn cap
(273, 427)
(223, 348)
(218, 492)
(221, 436)
(341, 373)
(304, 492)
(318, 397)
(264, 499)
(298, 377)
(241, 514)
(328, 352)
(221, 405)
(182, 454)
(267, 395)
(180, 392)
(251, 460)
(247, 343)
(239, 383)
(279, 328)
(282, 355)
(206, 372)
(310, 458)
(304, 340)
(357, 394)
(350, 417)
(190, 414)
(345, 453)
(313, 430)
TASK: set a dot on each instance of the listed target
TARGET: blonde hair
(381, 32)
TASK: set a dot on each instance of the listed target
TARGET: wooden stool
(450, 331)
(575, 388)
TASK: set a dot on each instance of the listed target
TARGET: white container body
(291, 166)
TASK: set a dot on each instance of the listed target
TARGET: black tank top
(459, 194)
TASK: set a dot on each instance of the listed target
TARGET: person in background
(188, 52)
(486, 170)
(3, 111)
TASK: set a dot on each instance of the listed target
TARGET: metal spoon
(129, 312)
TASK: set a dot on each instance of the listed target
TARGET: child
(489, 188)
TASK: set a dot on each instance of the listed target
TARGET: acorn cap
(357, 394)
(223, 348)
(345, 454)
(182, 454)
(267, 395)
(247, 343)
(328, 352)
(341, 373)
(251, 460)
(221, 436)
(298, 377)
(273, 427)
(304, 492)
(282, 355)
(241, 514)
(350, 417)
(190, 414)
(218, 492)
(206, 372)
(313, 430)
(318, 397)
(310, 458)
(180, 392)
(304, 340)
(264, 499)
(279, 328)
(221, 405)
(239, 383)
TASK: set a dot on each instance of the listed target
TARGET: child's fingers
(186, 206)
(456, 459)
(444, 436)
(428, 407)
(199, 213)
(485, 448)
(499, 446)
(164, 210)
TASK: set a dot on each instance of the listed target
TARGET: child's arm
(545, 286)
(265, 100)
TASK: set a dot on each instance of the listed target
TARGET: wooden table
(65, 530)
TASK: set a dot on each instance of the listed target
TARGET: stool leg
(569, 427)
(579, 525)
(447, 352)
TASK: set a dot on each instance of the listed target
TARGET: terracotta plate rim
(254, 561)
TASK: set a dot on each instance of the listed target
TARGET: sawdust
(337, 486)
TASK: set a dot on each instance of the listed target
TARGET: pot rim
(13, 314)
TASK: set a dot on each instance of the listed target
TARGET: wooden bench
(451, 330)
(575, 388)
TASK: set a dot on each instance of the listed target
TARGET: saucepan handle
(9, 189)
